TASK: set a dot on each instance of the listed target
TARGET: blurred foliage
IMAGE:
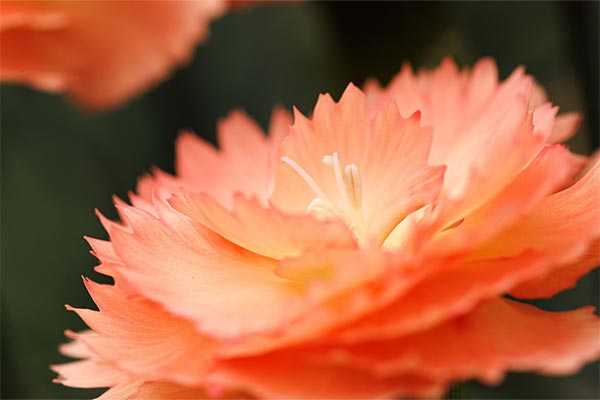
(58, 163)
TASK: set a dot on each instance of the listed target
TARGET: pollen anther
(349, 185)
(323, 209)
(353, 185)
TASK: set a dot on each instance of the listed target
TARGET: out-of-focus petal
(485, 343)
(242, 165)
(90, 373)
(565, 126)
(293, 375)
(138, 389)
(561, 278)
(102, 52)
(544, 230)
(528, 188)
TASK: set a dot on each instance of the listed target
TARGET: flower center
(349, 186)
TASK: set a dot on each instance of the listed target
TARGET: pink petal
(103, 250)
(494, 338)
(566, 125)
(136, 335)
(561, 278)
(506, 148)
(390, 154)
(143, 390)
(452, 290)
(293, 375)
(102, 53)
(495, 129)
(516, 200)
(244, 163)
(563, 227)
(265, 231)
(225, 290)
(340, 288)
(91, 373)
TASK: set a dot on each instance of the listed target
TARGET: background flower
(101, 53)
(364, 246)
(49, 148)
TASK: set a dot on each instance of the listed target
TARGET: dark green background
(59, 163)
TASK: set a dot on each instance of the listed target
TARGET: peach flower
(363, 252)
(101, 53)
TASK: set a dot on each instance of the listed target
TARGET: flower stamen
(353, 185)
(348, 180)
(349, 186)
(305, 176)
(323, 209)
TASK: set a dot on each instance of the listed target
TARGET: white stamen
(353, 185)
(339, 178)
(305, 176)
(323, 209)
(349, 187)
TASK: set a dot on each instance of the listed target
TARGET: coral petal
(494, 337)
(89, 374)
(453, 290)
(390, 154)
(295, 376)
(265, 231)
(173, 259)
(561, 278)
(544, 230)
(142, 338)
(565, 126)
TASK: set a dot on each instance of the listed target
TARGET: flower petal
(516, 200)
(495, 129)
(340, 288)
(91, 373)
(244, 163)
(97, 66)
(544, 229)
(142, 338)
(495, 337)
(390, 155)
(139, 389)
(561, 278)
(293, 375)
(566, 125)
(451, 291)
(265, 231)
(225, 290)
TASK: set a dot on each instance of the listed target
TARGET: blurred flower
(101, 53)
(363, 253)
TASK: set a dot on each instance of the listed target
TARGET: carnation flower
(363, 252)
(101, 53)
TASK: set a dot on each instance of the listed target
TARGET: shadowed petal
(293, 375)
(450, 291)
(485, 343)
